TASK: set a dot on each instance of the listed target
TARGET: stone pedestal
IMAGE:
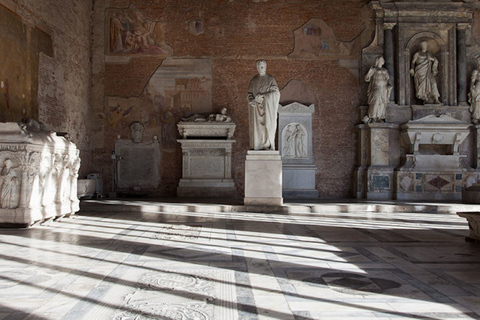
(38, 175)
(207, 159)
(207, 168)
(263, 178)
(375, 173)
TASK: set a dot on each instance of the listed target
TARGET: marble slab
(263, 178)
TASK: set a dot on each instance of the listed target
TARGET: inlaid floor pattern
(216, 262)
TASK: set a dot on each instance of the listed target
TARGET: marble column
(461, 64)
(388, 55)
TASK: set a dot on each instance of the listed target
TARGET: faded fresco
(316, 39)
(179, 88)
(129, 31)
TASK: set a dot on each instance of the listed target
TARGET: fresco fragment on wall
(316, 39)
(130, 32)
(178, 88)
(20, 47)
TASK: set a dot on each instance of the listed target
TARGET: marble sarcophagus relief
(38, 174)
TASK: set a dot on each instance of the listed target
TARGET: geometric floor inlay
(351, 283)
(170, 294)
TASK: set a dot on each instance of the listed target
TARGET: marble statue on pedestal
(424, 68)
(379, 90)
(263, 99)
(474, 95)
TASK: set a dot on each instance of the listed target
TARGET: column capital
(463, 26)
(389, 25)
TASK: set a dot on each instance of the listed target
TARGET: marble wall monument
(415, 142)
(38, 174)
(263, 165)
(139, 162)
(295, 146)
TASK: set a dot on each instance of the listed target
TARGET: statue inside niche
(263, 98)
(378, 92)
(474, 95)
(424, 68)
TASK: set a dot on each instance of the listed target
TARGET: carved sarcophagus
(38, 175)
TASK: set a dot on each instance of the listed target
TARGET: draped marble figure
(263, 98)
(424, 67)
(474, 95)
(379, 90)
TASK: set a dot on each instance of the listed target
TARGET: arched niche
(439, 49)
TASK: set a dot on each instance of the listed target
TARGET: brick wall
(64, 74)
(236, 34)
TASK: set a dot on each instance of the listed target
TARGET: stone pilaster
(388, 54)
(461, 64)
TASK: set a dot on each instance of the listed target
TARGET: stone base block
(263, 178)
(471, 194)
(473, 219)
(430, 185)
(209, 188)
(379, 181)
(299, 181)
(85, 188)
(264, 201)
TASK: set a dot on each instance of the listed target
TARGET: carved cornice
(421, 11)
(297, 108)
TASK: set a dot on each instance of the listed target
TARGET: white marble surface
(322, 260)
(206, 168)
(263, 178)
(38, 174)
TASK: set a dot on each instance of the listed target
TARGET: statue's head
(8, 163)
(424, 45)
(262, 67)
(223, 111)
(379, 61)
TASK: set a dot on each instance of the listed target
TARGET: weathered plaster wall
(233, 34)
(46, 61)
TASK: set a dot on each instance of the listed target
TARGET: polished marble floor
(147, 260)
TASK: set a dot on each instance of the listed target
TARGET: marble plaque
(138, 164)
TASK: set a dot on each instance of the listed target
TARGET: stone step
(174, 205)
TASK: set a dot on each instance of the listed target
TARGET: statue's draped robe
(425, 83)
(378, 92)
(474, 95)
(263, 117)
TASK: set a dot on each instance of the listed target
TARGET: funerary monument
(38, 174)
(417, 137)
